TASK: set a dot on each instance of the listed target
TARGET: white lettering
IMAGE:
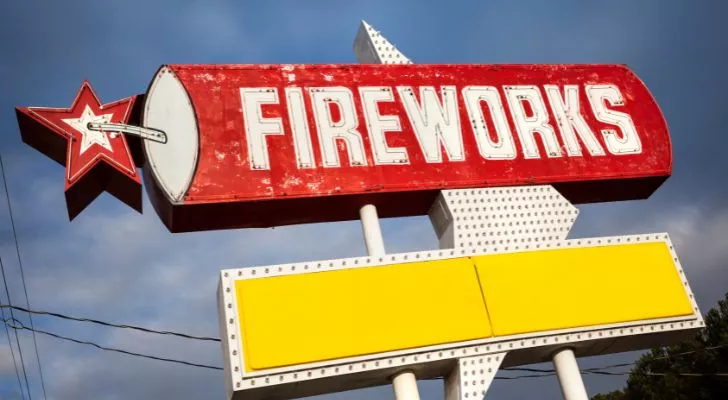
(434, 126)
(299, 126)
(378, 124)
(566, 111)
(630, 142)
(434, 115)
(345, 128)
(528, 126)
(256, 126)
(503, 148)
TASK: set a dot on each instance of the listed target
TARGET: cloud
(127, 268)
(6, 361)
(114, 264)
(133, 271)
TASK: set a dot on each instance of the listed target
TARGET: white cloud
(116, 265)
(6, 361)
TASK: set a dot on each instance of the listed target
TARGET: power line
(600, 370)
(18, 325)
(687, 374)
(110, 324)
(22, 275)
(17, 339)
(590, 370)
(12, 351)
(718, 374)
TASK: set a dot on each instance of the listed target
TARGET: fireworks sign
(496, 155)
(269, 145)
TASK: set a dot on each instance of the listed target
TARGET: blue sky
(113, 264)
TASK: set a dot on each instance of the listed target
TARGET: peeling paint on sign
(269, 145)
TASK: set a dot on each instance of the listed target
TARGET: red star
(95, 161)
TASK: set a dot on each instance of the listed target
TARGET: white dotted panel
(269, 378)
(370, 47)
(472, 377)
(230, 330)
(502, 218)
(287, 375)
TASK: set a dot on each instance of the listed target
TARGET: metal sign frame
(376, 369)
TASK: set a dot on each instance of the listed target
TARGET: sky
(113, 264)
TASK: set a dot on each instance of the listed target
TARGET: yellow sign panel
(321, 316)
(580, 287)
(314, 317)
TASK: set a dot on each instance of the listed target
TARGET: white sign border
(242, 380)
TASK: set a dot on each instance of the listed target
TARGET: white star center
(90, 137)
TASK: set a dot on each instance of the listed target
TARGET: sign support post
(567, 370)
(369, 50)
(371, 47)
(372, 231)
(405, 386)
(404, 383)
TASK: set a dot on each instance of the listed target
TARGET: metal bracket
(472, 376)
(155, 135)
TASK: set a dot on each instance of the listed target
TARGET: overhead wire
(18, 325)
(545, 372)
(22, 274)
(541, 373)
(549, 370)
(10, 346)
(687, 374)
(17, 338)
(110, 324)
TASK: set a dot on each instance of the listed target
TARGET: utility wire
(12, 352)
(589, 370)
(18, 325)
(600, 370)
(22, 275)
(109, 324)
(688, 374)
(17, 339)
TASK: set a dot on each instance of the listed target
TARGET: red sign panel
(232, 146)
(256, 146)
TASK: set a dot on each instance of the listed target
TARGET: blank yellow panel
(312, 317)
(580, 287)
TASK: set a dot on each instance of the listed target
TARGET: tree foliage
(685, 371)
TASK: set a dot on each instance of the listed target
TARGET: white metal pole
(372, 232)
(405, 386)
(405, 382)
(567, 369)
